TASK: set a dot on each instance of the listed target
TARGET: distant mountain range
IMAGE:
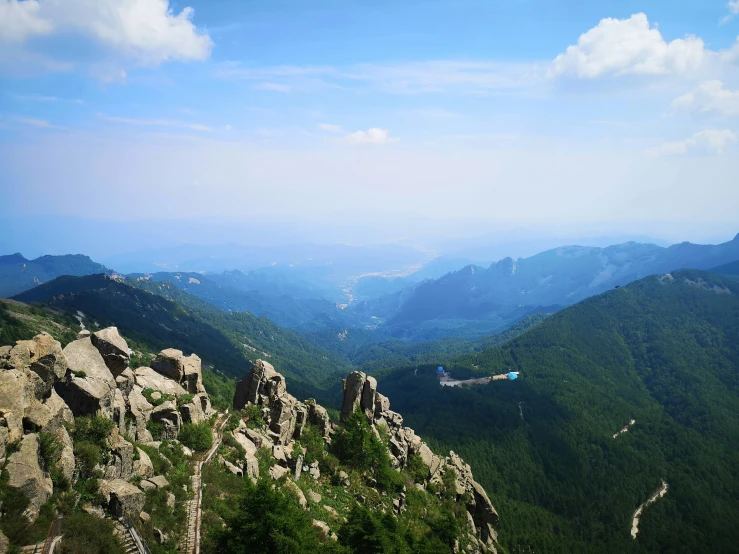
(355, 288)
(662, 353)
(18, 274)
(481, 300)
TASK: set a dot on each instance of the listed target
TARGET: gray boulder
(88, 387)
(367, 403)
(113, 349)
(25, 473)
(143, 467)
(147, 378)
(353, 389)
(185, 370)
(122, 497)
(168, 417)
(45, 358)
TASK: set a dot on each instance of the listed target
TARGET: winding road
(659, 493)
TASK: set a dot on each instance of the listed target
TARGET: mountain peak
(16, 258)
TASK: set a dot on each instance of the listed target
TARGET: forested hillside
(663, 351)
(18, 274)
(228, 342)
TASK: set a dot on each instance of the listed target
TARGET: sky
(397, 118)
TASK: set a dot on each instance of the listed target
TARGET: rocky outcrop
(26, 474)
(285, 417)
(360, 393)
(122, 497)
(168, 417)
(44, 387)
(186, 370)
(113, 349)
(88, 387)
(263, 386)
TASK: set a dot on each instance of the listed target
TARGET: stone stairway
(190, 538)
(126, 540)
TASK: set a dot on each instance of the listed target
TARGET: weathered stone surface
(318, 416)
(25, 473)
(168, 417)
(83, 356)
(120, 465)
(147, 378)
(323, 529)
(186, 370)
(92, 393)
(45, 358)
(233, 469)
(192, 412)
(4, 434)
(171, 500)
(143, 467)
(382, 405)
(16, 392)
(484, 510)
(122, 496)
(295, 489)
(65, 462)
(4, 543)
(353, 388)
(125, 381)
(113, 349)
(262, 380)
(160, 536)
(276, 472)
(140, 411)
(160, 481)
(369, 390)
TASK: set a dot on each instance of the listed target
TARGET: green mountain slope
(663, 351)
(18, 274)
(164, 316)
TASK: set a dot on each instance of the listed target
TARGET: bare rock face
(25, 473)
(113, 349)
(120, 465)
(168, 417)
(143, 467)
(262, 380)
(88, 387)
(65, 463)
(353, 390)
(45, 358)
(147, 378)
(140, 410)
(122, 497)
(186, 370)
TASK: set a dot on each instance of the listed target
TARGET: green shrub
(155, 428)
(417, 470)
(165, 397)
(185, 399)
(197, 436)
(79, 373)
(252, 416)
(87, 456)
(87, 534)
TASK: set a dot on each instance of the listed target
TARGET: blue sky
(597, 115)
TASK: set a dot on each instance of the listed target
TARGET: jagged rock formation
(360, 392)
(44, 388)
(285, 417)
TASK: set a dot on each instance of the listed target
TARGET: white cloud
(39, 123)
(709, 98)
(42, 98)
(330, 128)
(710, 139)
(19, 20)
(371, 136)
(628, 46)
(156, 123)
(733, 6)
(145, 31)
